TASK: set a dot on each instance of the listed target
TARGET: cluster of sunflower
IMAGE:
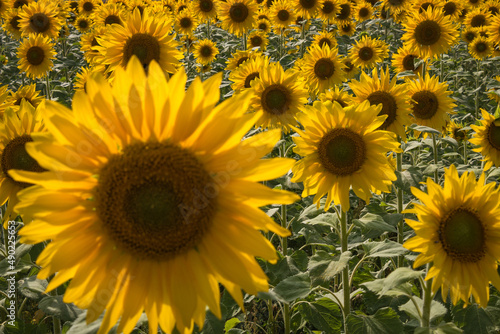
(150, 193)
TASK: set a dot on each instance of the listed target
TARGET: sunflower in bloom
(278, 96)
(322, 68)
(457, 131)
(11, 24)
(88, 7)
(306, 8)
(367, 52)
(338, 95)
(457, 230)
(350, 71)
(147, 37)
(83, 23)
(4, 101)
(404, 60)
(185, 22)
(35, 56)
(27, 93)
(431, 101)
(16, 128)
(282, 14)
(347, 29)
(452, 8)
(477, 18)
(205, 10)
(392, 97)
(39, 18)
(345, 14)
(469, 34)
(205, 51)
(395, 6)
(248, 72)
(239, 57)
(364, 11)
(492, 6)
(110, 13)
(493, 30)
(430, 33)
(263, 25)
(487, 136)
(237, 16)
(325, 37)
(328, 10)
(480, 48)
(257, 39)
(342, 148)
(160, 207)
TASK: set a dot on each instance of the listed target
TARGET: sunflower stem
(270, 319)
(345, 272)
(208, 28)
(465, 152)
(426, 307)
(286, 318)
(399, 190)
(302, 36)
(47, 86)
(476, 100)
(434, 149)
(244, 41)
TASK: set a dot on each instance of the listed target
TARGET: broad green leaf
(292, 288)
(437, 309)
(444, 328)
(54, 305)
(373, 225)
(396, 279)
(32, 287)
(423, 128)
(324, 266)
(384, 248)
(231, 323)
(212, 324)
(323, 314)
(385, 320)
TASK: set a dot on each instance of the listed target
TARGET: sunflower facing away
(342, 148)
(458, 230)
(35, 56)
(160, 207)
(487, 136)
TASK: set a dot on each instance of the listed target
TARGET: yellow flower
(282, 14)
(325, 37)
(342, 148)
(83, 23)
(452, 8)
(367, 52)
(186, 22)
(477, 18)
(204, 9)
(487, 136)
(39, 18)
(87, 7)
(364, 11)
(404, 60)
(152, 196)
(480, 48)
(237, 16)
(337, 95)
(247, 72)
(257, 39)
(205, 51)
(457, 231)
(239, 57)
(345, 14)
(306, 8)
(109, 13)
(28, 93)
(328, 10)
(395, 6)
(35, 56)
(457, 131)
(11, 24)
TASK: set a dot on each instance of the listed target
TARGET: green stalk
(476, 100)
(244, 41)
(303, 36)
(56, 322)
(47, 86)
(434, 149)
(426, 308)
(208, 28)
(284, 245)
(270, 318)
(465, 151)
(345, 272)
(399, 193)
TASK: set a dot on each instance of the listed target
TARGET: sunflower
(494, 91)
(3, 7)
(282, 14)
(26, 93)
(83, 23)
(237, 16)
(477, 18)
(452, 8)
(480, 48)
(180, 6)
(342, 148)
(469, 34)
(395, 6)
(492, 6)
(263, 25)
(404, 60)
(328, 10)
(89, 41)
(205, 10)
(248, 72)
(473, 3)
(344, 15)
(430, 33)
(147, 37)
(367, 52)
(165, 199)
(82, 77)
(18, 4)
(457, 231)
(337, 95)
(457, 131)
(493, 30)
(325, 37)
(431, 101)
(205, 51)
(420, 6)
(185, 22)
(109, 13)
(350, 71)
(35, 56)
(11, 24)
(15, 131)
(392, 97)
(363, 10)
(4, 101)
(239, 57)
(257, 39)
(307, 8)
(278, 97)
(322, 68)
(39, 18)
(87, 7)
(487, 136)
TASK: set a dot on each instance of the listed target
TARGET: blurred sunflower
(87, 7)
(469, 34)
(11, 24)
(342, 148)
(248, 72)
(205, 51)
(367, 52)
(452, 8)
(83, 23)
(257, 39)
(148, 37)
(81, 78)
(347, 29)
(278, 97)
(15, 131)
(487, 136)
(492, 6)
(89, 41)
(337, 95)
(393, 98)
(350, 71)
(110, 13)
(4, 101)
(325, 37)
(404, 60)
(18, 4)
(185, 22)
(322, 68)
(39, 18)
(282, 14)
(263, 25)
(26, 93)
(431, 101)
(180, 5)
(457, 231)
(239, 57)
(205, 10)
(395, 6)
(421, 6)
(237, 16)
(35, 55)
(306, 8)
(430, 33)
(363, 10)
(328, 10)
(493, 30)
(457, 131)
(480, 48)
(473, 3)
(477, 18)
(344, 15)
(156, 165)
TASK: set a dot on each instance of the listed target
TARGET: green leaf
(394, 284)
(301, 259)
(324, 314)
(323, 266)
(231, 323)
(32, 287)
(437, 309)
(54, 305)
(444, 328)
(385, 320)
(383, 249)
(373, 226)
(477, 320)
(292, 288)
(422, 128)
(212, 324)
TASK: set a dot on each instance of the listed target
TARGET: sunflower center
(111, 19)
(493, 10)
(238, 12)
(263, 26)
(342, 151)
(256, 41)
(156, 200)
(462, 235)
(427, 32)
(39, 23)
(144, 46)
(469, 36)
(345, 11)
(307, 4)
(19, 3)
(250, 78)
(241, 60)
(348, 66)
(364, 12)
(494, 136)
(324, 41)
(324, 68)
(283, 15)
(88, 6)
(83, 24)
(425, 105)
(206, 5)
(275, 99)
(409, 63)
(186, 22)
(35, 55)
(14, 156)
(14, 22)
(206, 51)
(449, 8)
(481, 47)
(365, 53)
(389, 106)
(328, 7)
(346, 28)
(478, 21)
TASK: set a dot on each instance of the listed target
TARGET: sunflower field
(250, 166)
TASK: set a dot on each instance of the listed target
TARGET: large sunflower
(342, 148)
(147, 37)
(458, 231)
(430, 33)
(152, 197)
(39, 18)
(237, 16)
(487, 136)
(393, 98)
(431, 102)
(35, 56)
(278, 96)
(367, 52)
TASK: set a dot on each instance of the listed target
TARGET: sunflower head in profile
(157, 200)
(322, 68)
(338, 95)
(257, 40)
(205, 51)
(493, 30)
(282, 14)
(457, 131)
(325, 37)
(204, 9)
(39, 18)
(431, 102)
(405, 59)
(328, 10)
(480, 48)
(35, 56)
(26, 93)
(430, 33)
(148, 37)
(343, 149)
(367, 52)
(11, 24)
(243, 76)
(457, 231)
(237, 16)
(392, 96)
(185, 22)
(487, 137)
(278, 96)
(16, 129)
